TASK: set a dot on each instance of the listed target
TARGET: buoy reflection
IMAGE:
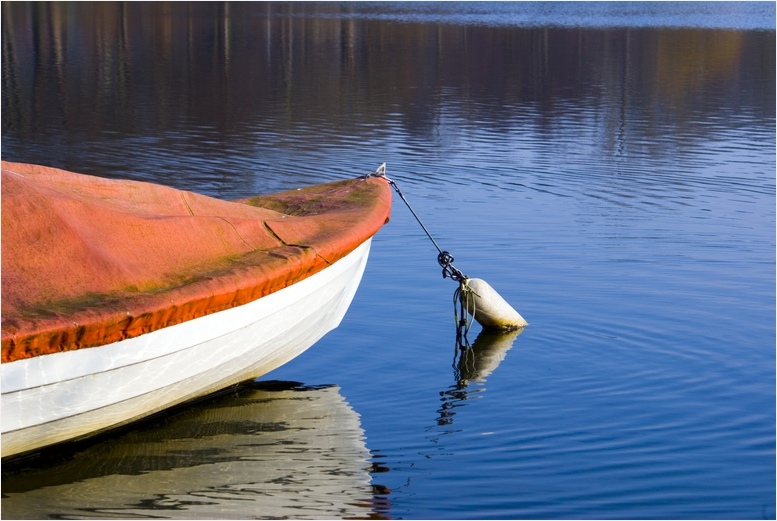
(474, 363)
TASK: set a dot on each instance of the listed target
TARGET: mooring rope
(463, 293)
(463, 299)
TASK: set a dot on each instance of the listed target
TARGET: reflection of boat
(122, 298)
(280, 451)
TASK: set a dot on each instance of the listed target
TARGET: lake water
(608, 168)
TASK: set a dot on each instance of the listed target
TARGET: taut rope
(463, 293)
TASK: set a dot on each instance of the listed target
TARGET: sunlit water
(610, 172)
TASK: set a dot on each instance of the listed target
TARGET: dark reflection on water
(209, 94)
(608, 167)
(473, 364)
(269, 450)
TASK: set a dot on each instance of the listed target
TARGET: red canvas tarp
(88, 261)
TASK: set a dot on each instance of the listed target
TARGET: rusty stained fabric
(88, 261)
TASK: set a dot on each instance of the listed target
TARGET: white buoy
(488, 307)
(480, 300)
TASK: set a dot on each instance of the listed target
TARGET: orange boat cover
(88, 261)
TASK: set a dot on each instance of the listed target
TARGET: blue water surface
(708, 15)
(609, 168)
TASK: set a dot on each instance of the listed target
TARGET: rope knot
(445, 259)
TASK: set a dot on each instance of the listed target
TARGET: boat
(121, 299)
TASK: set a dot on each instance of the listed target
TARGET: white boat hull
(74, 394)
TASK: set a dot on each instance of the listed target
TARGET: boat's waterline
(87, 392)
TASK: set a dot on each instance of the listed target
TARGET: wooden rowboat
(121, 298)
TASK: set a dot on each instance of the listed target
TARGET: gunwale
(272, 242)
